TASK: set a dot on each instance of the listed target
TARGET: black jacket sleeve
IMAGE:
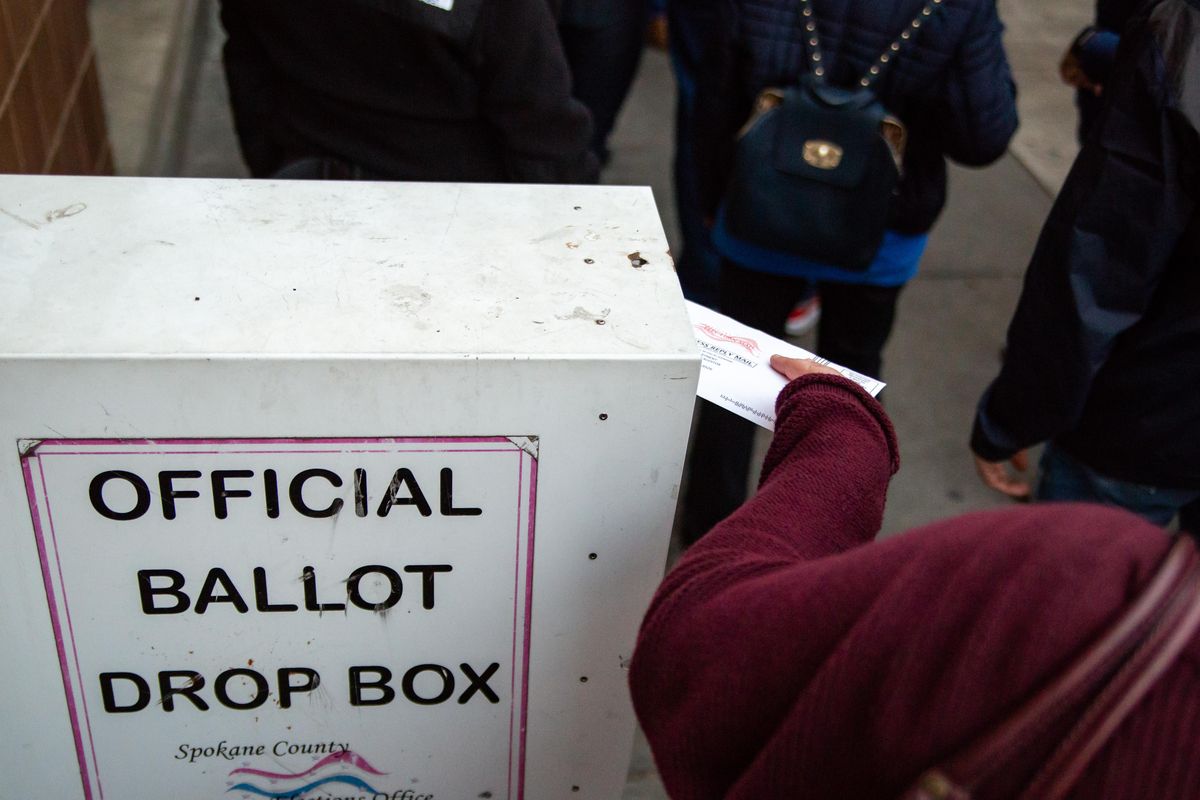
(978, 114)
(1111, 234)
(253, 86)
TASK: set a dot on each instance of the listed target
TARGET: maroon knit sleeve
(823, 484)
(785, 657)
(835, 447)
(822, 492)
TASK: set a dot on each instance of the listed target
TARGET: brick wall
(51, 118)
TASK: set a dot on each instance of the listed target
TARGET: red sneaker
(804, 316)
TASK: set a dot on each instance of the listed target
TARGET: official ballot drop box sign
(328, 489)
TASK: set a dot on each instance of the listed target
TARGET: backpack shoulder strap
(1118, 669)
(815, 59)
(906, 36)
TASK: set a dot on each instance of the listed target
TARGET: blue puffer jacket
(951, 86)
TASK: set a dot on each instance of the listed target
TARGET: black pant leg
(604, 59)
(721, 448)
(856, 321)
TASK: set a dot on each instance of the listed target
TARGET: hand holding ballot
(736, 368)
(792, 368)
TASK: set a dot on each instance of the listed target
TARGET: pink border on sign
(512, 686)
(31, 493)
(258, 452)
(281, 440)
(70, 628)
(58, 634)
(290, 440)
(528, 617)
(533, 465)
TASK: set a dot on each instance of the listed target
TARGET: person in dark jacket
(437, 90)
(951, 86)
(788, 656)
(1103, 355)
(1088, 62)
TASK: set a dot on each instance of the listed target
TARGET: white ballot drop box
(330, 489)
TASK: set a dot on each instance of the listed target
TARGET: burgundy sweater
(788, 655)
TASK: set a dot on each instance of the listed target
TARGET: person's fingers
(1016, 488)
(789, 368)
(792, 368)
(991, 474)
(995, 475)
(1068, 69)
(1072, 74)
(656, 32)
(1020, 460)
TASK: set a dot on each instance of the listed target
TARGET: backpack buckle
(822, 154)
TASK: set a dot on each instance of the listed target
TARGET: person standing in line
(428, 90)
(1088, 62)
(689, 26)
(787, 655)
(1103, 353)
(951, 87)
(690, 30)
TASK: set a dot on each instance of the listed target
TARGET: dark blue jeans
(1061, 477)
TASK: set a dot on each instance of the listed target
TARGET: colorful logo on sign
(339, 768)
(750, 345)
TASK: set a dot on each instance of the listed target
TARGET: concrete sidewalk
(952, 317)
(1038, 34)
